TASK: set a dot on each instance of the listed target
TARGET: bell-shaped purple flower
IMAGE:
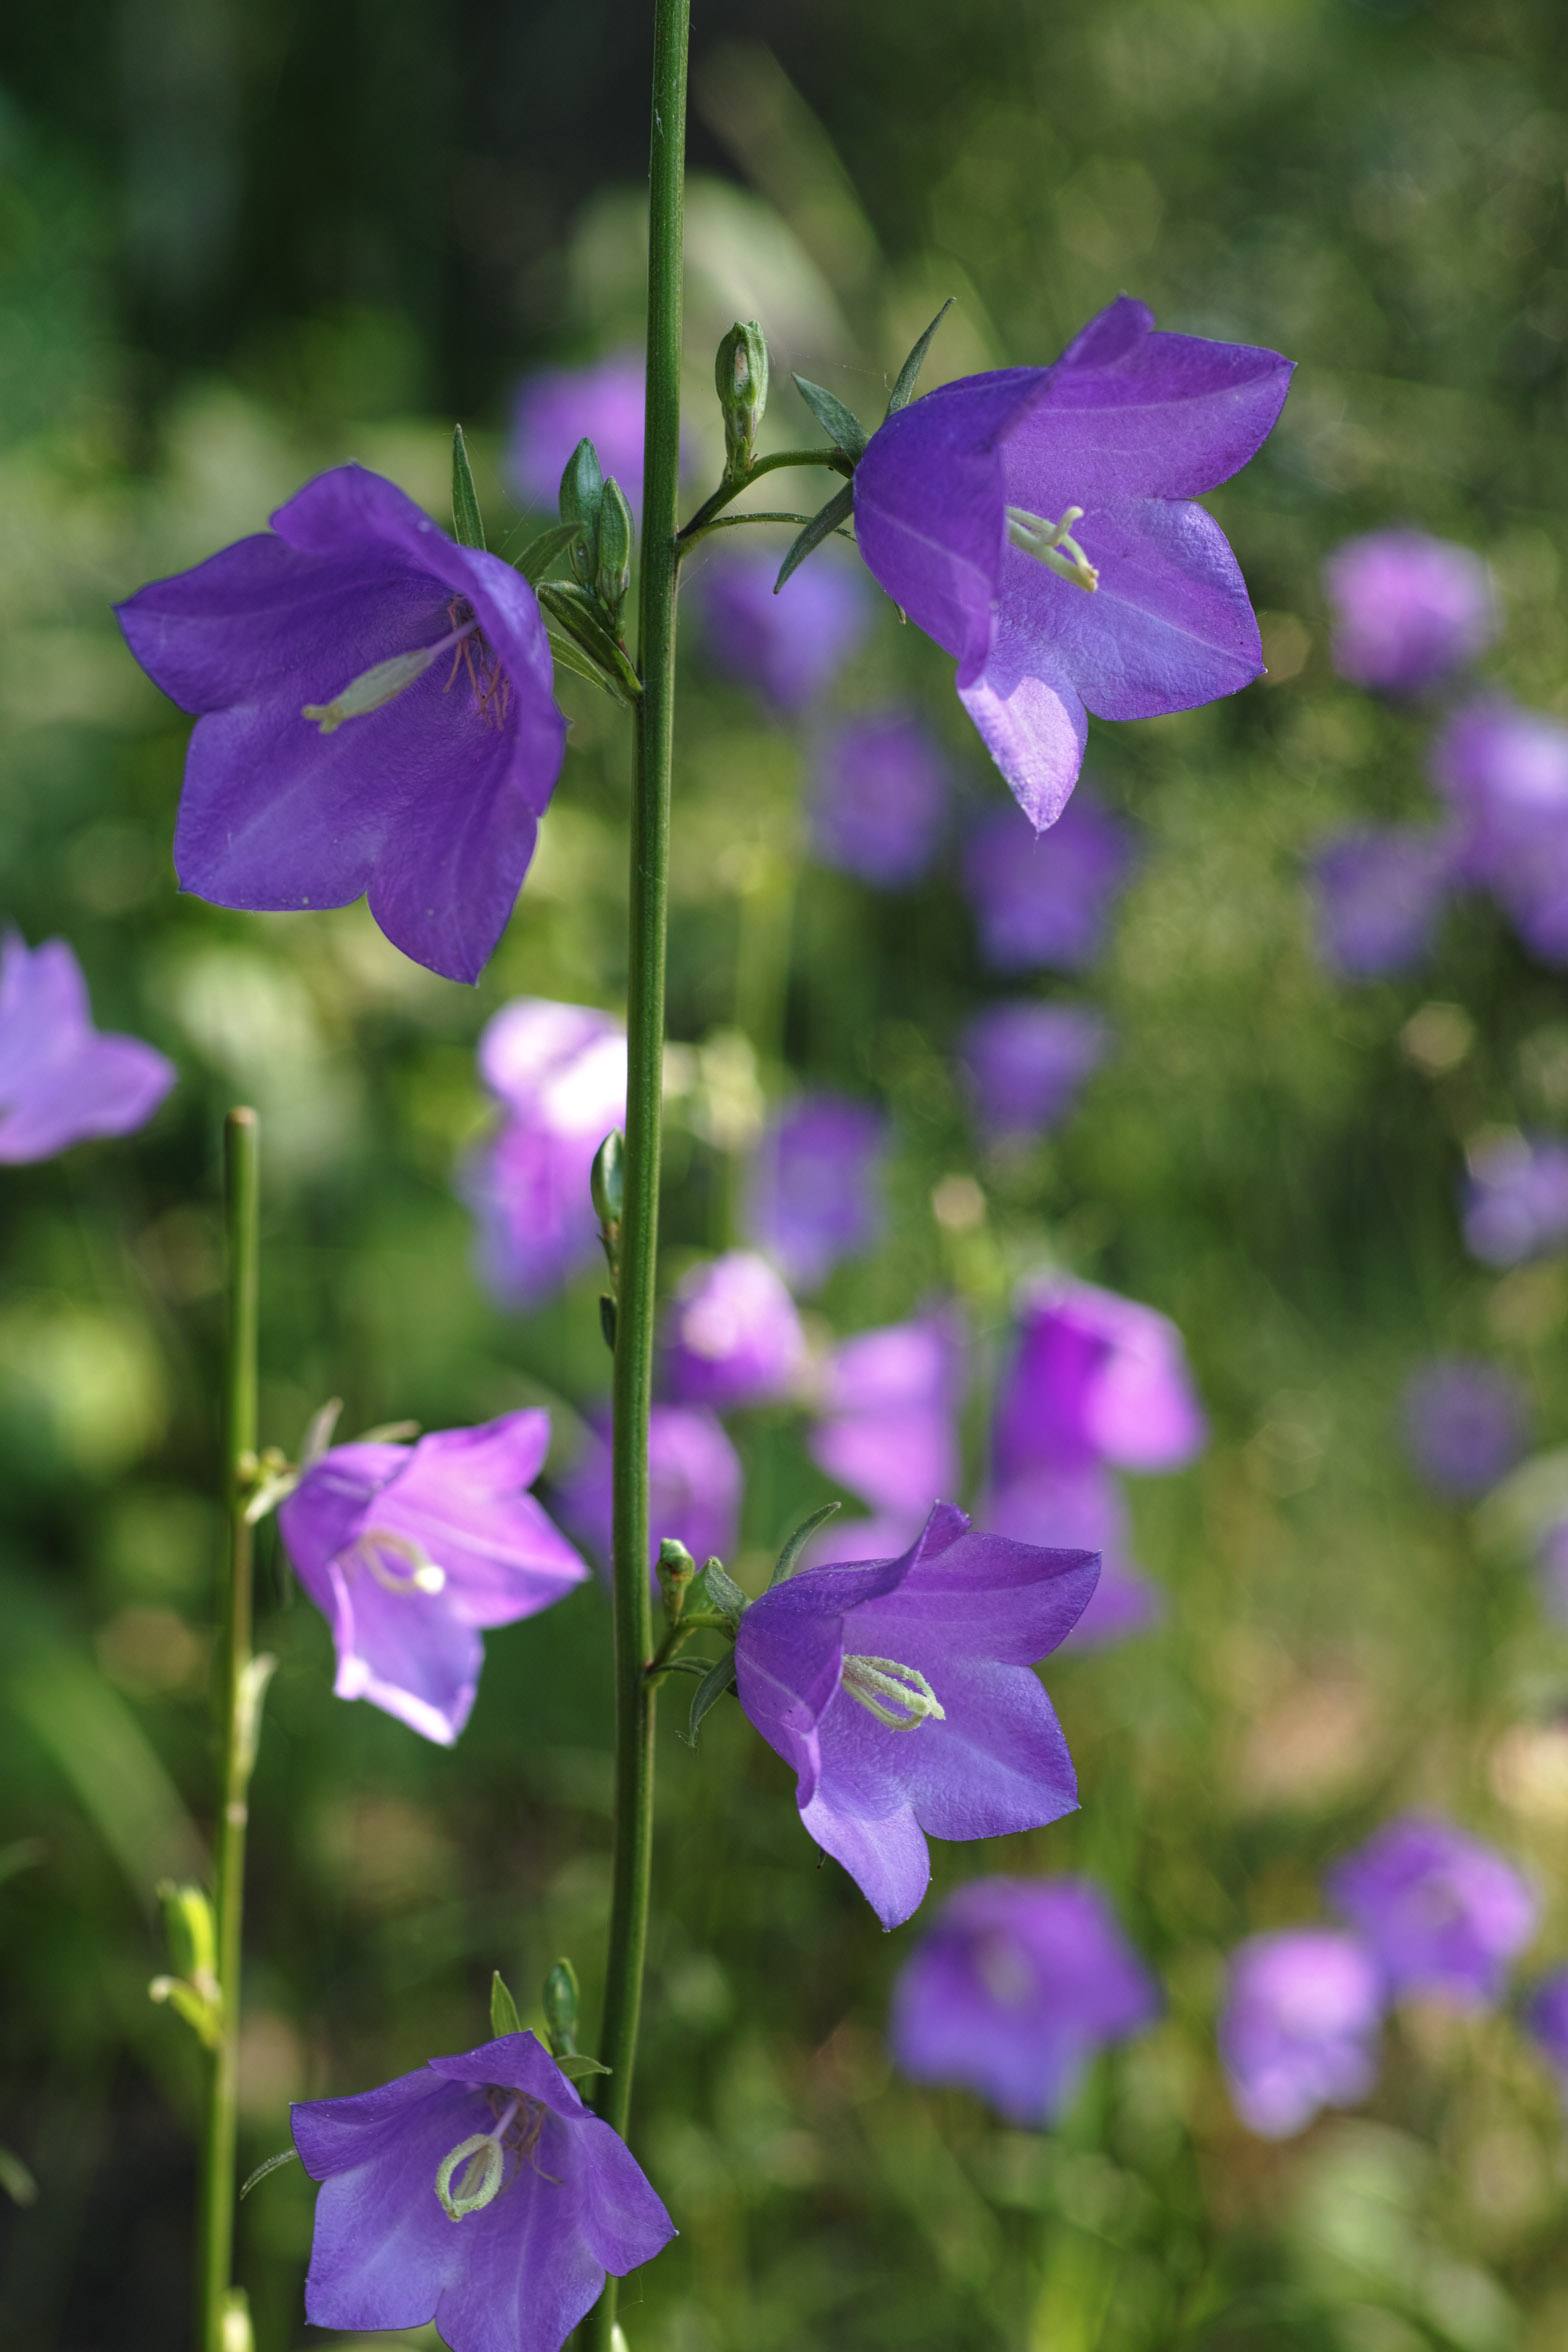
(816, 1186)
(1440, 1912)
(695, 1482)
(1095, 1378)
(1038, 524)
(559, 1071)
(1516, 1199)
(787, 648)
(1505, 773)
(504, 2250)
(1463, 1421)
(879, 803)
(1378, 899)
(1408, 609)
(901, 1694)
(1546, 2015)
(409, 1552)
(1299, 2029)
(1016, 1987)
(1082, 1509)
(62, 1080)
(733, 1336)
(1025, 1063)
(889, 1426)
(1045, 901)
(559, 407)
(375, 715)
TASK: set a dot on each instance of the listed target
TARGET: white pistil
(895, 1694)
(1053, 544)
(482, 2165)
(382, 682)
(386, 1554)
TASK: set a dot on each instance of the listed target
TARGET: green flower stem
(832, 460)
(237, 1701)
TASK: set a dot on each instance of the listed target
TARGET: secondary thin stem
(832, 459)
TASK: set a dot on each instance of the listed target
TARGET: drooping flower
(1045, 901)
(879, 803)
(1024, 1064)
(1378, 898)
(62, 1080)
(559, 407)
(889, 1425)
(1516, 1199)
(1463, 1422)
(1095, 1378)
(816, 1192)
(1016, 1987)
(1546, 2015)
(374, 716)
(1408, 609)
(1299, 2028)
(506, 2248)
(694, 1485)
(1440, 1912)
(1505, 773)
(1082, 1507)
(901, 1695)
(788, 648)
(1037, 523)
(733, 1336)
(559, 1072)
(409, 1552)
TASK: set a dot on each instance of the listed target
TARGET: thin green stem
(236, 1704)
(833, 459)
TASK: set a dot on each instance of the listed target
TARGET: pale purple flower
(62, 1080)
(1045, 900)
(409, 1552)
(694, 1485)
(789, 647)
(559, 407)
(902, 1695)
(1516, 1199)
(733, 1336)
(1378, 898)
(1082, 1509)
(1440, 1912)
(1299, 2028)
(889, 1426)
(1463, 1422)
(1104, 450)
(879, 802)
(1015, 1988)
(1024, 1064)
(1095, 1378)
(514, 2274)
(1546, 2015)
(1408, 609)
(1504, 771)
(375, 716)
(559, 1072)
(816, 1186)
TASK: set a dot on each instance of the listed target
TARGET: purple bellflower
(1505, 773)
(901, 1695)
(1025, 1063)
(1408, 609)
(410, 1551)
(1546, 2015)
(1096, 1378)
(1038, 524)
(816, 1189)
(1463, 1421)
(559, 1071)
(477, 2192)
(1379, 896)
(62, 1080)
(1516, 1200)
(1083, 1508)
(375, 716)
(733, 1336)
(879, 808)
(787, 648)
(1019, 1983)
(694, 1485)
(889, 1430)
(1045, 902)
(1440, 1912)
(1299, 2028)
(555, 409)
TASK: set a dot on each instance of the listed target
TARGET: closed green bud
(614, 574)
(676, 1568)
(607, 1181)
(560, 2009)
(740, 373)
(582, 495)
(188, 1926)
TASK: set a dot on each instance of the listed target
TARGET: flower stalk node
(896, 1694)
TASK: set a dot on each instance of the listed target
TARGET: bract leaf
(904, 390)
(467, 528)
(272, 2164)
(788, 1560)
(573, 610)
(503, 2009)
(841, 425)
(719, 1678)
(823, 523)
(318, 1432)
(568, 657)
(724, 1593)
(684, 1666)
(574, 2065)
(388, 1433)
(548, 548)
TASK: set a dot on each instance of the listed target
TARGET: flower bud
(607, 1179)
(740, 373)
(560, 2008)
(675, 1570)
(613, 575)
(581, 496)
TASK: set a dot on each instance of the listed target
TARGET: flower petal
(928, 508)
(383, 2248)
(1028, 710)
(981, 1596)
(860, 1814)
(406, 1651)
(459, 1496)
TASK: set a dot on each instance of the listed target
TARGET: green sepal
(467, 528)
(389, 1433)
(841, 425)
(570, 657)
(271, 2164)
(613, 574)
(561, 2002)
(788, 1562)
(904, 390)
(607, 1179)
(581, 495)
(724, 1593)
(607, 1320)
(503, 2009)
(574, 610)
(574, 2065)
(200, 2013)
(680, 1666)
(547, 549)
(822, 525)
(719, 1678)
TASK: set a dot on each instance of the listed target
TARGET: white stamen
(895, 1694)
(384, 1554)
(482, 2165)
(1053, 544)
(381, 683)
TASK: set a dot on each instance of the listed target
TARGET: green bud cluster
(740, 374)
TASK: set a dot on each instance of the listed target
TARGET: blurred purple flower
(902, 1695)
(1440, 1912)
(879, 807)
(1551, 1567)
(1024, 1064)
(1015, 1988)
(1516, 1199)
(410, 1551)
(1379, 895)
(845, 1542)
(1096, 1378)
(376, 716)
(790, 647)
(1546, 2015)
(520, 2267)
(1110, 444)
(62, 1080)
(1082, 1509)
(1299, 2027)
(1407, 609)
(559, 407)
(889, 1428)
(1464, 1423)
(733, 1336)
(1042, 901)
(559, 1071)
(816, 1189)
(1505, 772)
(694, 1485)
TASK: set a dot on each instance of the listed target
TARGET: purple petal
(695, 1481)
(1024, 1063)
(880, 802)
(383, 2251)
(459, 1495)
(1408, 609)
(787, 646)
(61, 1082)
(1031, 717)
(409, 1653)
(1045, 900)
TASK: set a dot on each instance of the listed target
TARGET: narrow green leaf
(503, 2009)
(467, 528)
(560, 2009)
(719, 1678)
(822, 525)
(841, 425)
(684, 1666)
(574, 611)
(541, 553)
(904, 389)
(388, 1433)
(272, 2164)
(789, 1558)
(574, 2066)
(569, 656)
(724, 1593)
